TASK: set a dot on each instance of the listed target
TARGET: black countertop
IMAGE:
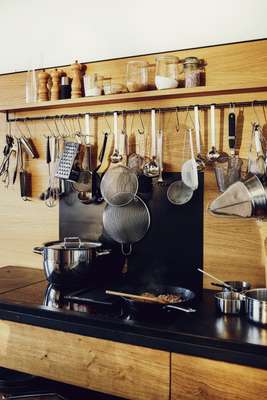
(204, 333)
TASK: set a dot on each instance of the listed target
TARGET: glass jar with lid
(137, 76)
(166, 72)
(191, 71)
(92, 85)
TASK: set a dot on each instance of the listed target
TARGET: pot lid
(72, 243)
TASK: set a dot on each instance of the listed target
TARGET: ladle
(200, 160)
(116, 157)
(151, 168)
(213, 155)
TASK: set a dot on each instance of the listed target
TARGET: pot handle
(187, 310)
(38, 250)
(103, 252)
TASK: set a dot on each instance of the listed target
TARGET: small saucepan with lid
(70, 260)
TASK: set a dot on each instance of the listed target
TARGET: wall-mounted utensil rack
(141, 110)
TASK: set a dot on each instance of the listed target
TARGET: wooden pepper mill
(76, 85)
(55, 90)
(43, 91)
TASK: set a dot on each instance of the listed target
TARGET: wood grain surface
(203, 379)
(131, 372)
(233, 249)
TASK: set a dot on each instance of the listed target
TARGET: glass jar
(191, 72)
(166, 72)
(92, 85)
(137, 76)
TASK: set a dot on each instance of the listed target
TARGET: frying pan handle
(187, 310)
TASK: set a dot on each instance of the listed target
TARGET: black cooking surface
(205, 333)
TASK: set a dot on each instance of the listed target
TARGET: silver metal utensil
(127, 225)
(151, 168)
(119, 184)
(213, 154)
(116, 157)
(200, 160)
(160, 155)
(216, 279)
(178, 193)
(189, 168)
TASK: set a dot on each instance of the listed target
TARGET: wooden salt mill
(55, 90)
(76, 84)
(43, 91)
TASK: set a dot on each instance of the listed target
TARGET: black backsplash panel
(169, 254)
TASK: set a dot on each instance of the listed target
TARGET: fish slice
(189, 168)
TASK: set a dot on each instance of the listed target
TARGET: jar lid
(191, 60)
(168, 58)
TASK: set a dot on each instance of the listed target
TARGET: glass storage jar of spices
(191, 72)
(137, 76)
(166, 72)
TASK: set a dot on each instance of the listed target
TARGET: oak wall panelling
(233, 248)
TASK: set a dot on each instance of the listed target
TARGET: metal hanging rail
(239, 104)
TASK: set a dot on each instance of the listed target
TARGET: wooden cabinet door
(131, 372)
(195, 378)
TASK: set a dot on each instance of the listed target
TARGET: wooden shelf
(132, 97)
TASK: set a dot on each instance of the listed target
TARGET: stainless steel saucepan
(256, 305)
(69, 260)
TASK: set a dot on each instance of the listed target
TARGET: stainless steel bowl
(256, 305)
(239, 286)
(229, 302)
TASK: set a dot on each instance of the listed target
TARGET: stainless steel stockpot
(69, 260)
(256, 305)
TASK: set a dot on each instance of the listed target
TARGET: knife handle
(231, 130)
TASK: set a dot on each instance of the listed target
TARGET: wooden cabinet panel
(194, 378)
(128, 371)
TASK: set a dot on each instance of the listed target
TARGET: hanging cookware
(151, 168)
(69, 260)
(119, 184)
(200, 160)
(189, 168)
(170, 297)
(127, 225)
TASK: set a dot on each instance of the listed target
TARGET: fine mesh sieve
(178, 193)
(119, 186)
(128, 224)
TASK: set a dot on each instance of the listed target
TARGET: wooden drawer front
(194, 378)
(124, 370)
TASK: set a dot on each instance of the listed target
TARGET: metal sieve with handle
(119, 185)
(127, 225)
